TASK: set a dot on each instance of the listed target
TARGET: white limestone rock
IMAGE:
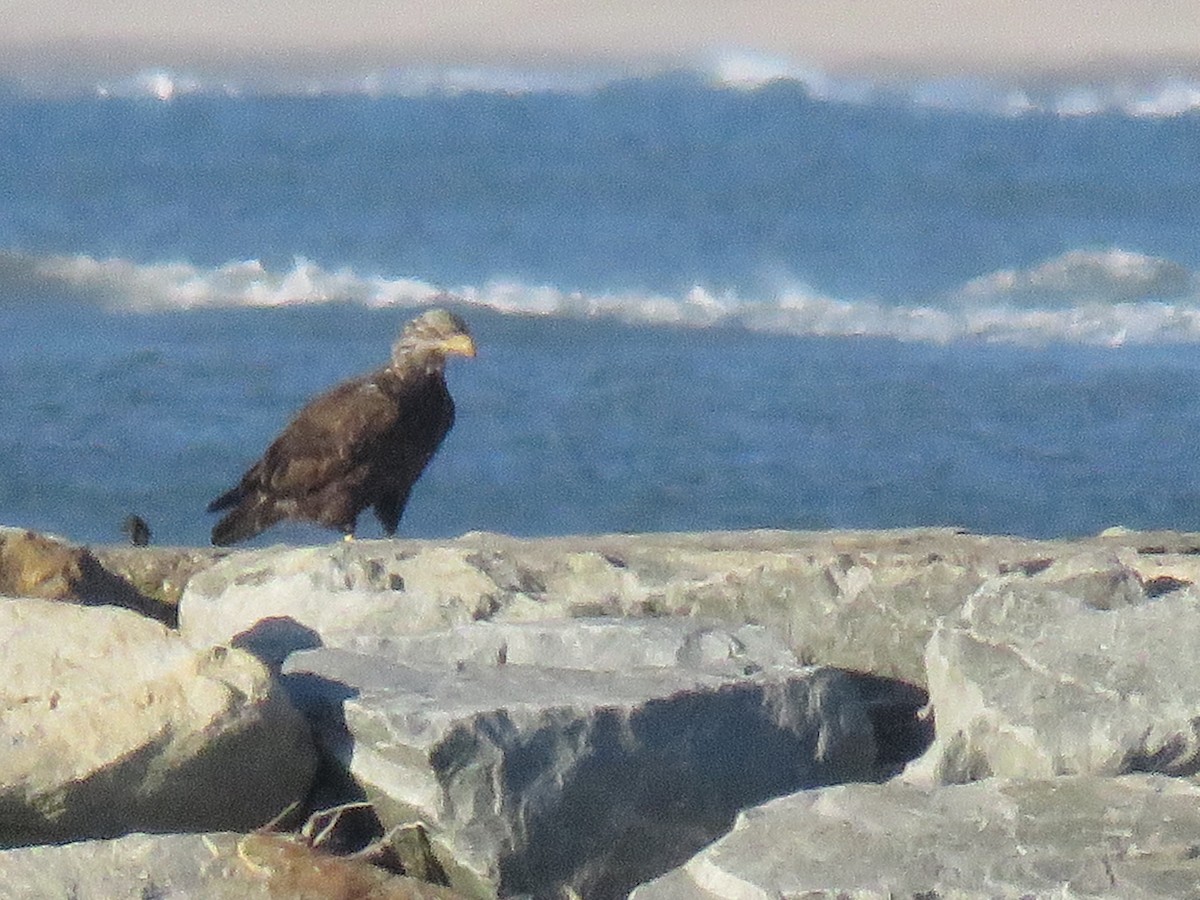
(280, 599)
(1034, 680)
(590, 754)
(1083, 836)
(111, 723)
(862, 600)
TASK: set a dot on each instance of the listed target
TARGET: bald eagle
(363, 443)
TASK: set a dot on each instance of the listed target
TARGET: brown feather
(363, 443)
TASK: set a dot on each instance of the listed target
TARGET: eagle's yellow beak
(459, 345)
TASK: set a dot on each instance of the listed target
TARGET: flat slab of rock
(1135, 836)
(111, 723)
(1085, 674)
(589, 754)
(220, 866)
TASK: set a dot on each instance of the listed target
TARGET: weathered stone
(157, 573)
(1086, 836)
(112, 723)
(866, 601)
(219, 866)
(1035, 680)
(34, 565)
(336, 593)
(596, 645)
(589, 754)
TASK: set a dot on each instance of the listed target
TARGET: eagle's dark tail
(227, 499)
(253, 515)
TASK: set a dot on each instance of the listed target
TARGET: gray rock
(111, 723)
(591, 755)
(331, 595)
(220, 866)
(588, 754)
(595, 645)
(1131, 837)
(866, 601)
(1083, 675)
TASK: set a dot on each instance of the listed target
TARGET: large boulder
(1085, 674)
(587, 754)
(1084, 836)
(219, 866)
(332, 595)
(109, 722)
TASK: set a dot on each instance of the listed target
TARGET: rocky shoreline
(748, 714)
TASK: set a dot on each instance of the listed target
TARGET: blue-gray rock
(1131, 837)
(588, 754)
(862, 600)
(1033, 680)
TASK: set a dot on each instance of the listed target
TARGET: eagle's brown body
(362, 444)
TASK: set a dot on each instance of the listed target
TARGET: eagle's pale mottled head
(428, 339)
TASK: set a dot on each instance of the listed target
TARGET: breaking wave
(1109, 297)
(1164, 95)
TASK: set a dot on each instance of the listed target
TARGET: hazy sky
(116, 35)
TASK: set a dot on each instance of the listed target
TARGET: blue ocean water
(700, 304)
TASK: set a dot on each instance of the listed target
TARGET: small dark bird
(136, 530)
(363, 443)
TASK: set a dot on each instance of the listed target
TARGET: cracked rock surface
(910, 712)
(1069, 677)
(1136, 836)
(587, 754)
(111, 723)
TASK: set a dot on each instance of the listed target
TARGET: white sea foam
(1108, 297)
(165, 85)
(159, 84)
(1106, 277)
(1164, 96)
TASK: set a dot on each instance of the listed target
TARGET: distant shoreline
(69, 63)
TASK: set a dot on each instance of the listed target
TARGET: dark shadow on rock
(33, 565)
(336, 807)
(1029, 567)
(903, 731)
(100, 586)
(357, 830)
(1164, 584)
(332, 787)
(275, 638)
(625, 817)
(321, 700)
